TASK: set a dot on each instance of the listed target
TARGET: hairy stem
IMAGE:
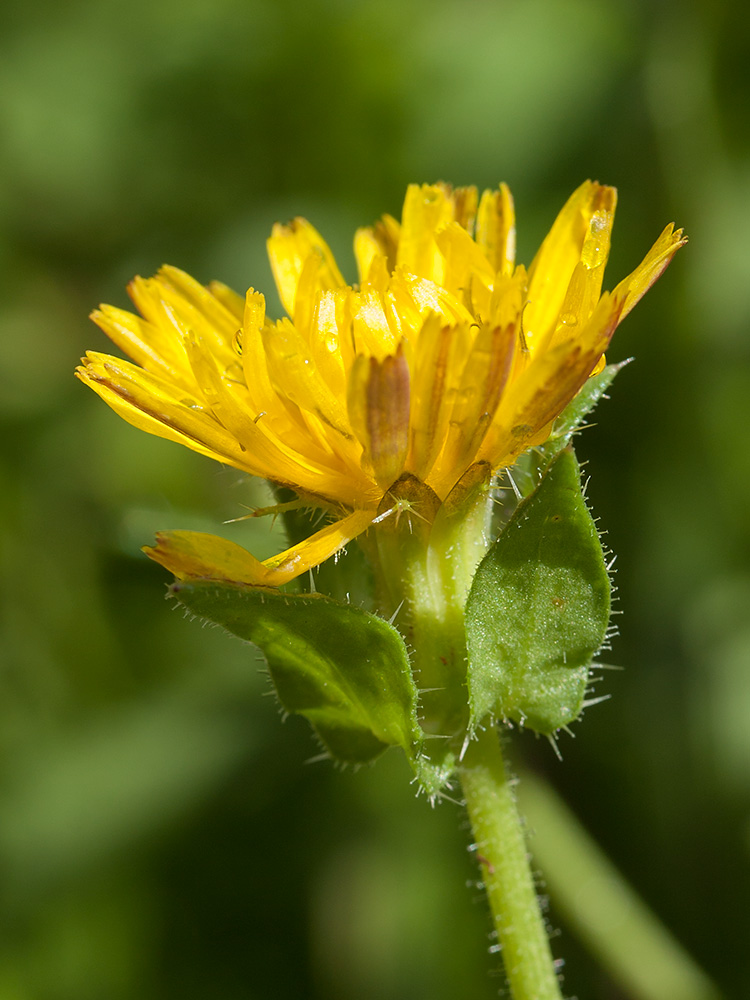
(501, 851)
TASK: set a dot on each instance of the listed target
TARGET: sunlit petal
(496, 229)
(446, 355)
(580, 235)
(653, 265)
(289, 249)
(194, 555)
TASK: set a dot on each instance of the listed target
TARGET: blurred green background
(161, 835)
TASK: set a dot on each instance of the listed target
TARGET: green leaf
(345, 670)
(538, 608)
(578, 409)
(529, 467)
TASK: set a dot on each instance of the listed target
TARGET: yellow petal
(465, 207)
(496, 229)
(289, 247)
(218, 424)
(197, 307)
(436, 385)
(179, 306)
(154, 405)
(651, 268)
(446, 354)
(331, 341)
(376, 244)
(367, 249)
(157, 350)
(429, 394)
(547, 385)
(415, 298)
(388, 233)
(371, 331)
(463, 259)
(294, 375)
(508, 298)
(379, 413)
(193, 555)
(483, 379)
(295, 451)
(583, 223)
(426, 208)
(308, 288)
(261, 394)
(231, 301)
(148, 300)
(586, 281)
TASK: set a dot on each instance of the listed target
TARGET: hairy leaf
(538, 608)
(345, 670)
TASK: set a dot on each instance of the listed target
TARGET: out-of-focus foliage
(160, 835)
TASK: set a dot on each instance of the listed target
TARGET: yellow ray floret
(445, 355)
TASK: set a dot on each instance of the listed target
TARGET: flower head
(445, 355)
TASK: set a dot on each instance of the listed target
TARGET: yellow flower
(444, 355)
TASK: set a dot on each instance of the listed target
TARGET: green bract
(536, 613)
(345, 670)
(538, 608)
(570, 420)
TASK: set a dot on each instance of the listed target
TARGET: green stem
(501, 850)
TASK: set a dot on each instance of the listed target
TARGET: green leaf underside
(578, 409)
(538, 608)
(529, 467)
(345, 670)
